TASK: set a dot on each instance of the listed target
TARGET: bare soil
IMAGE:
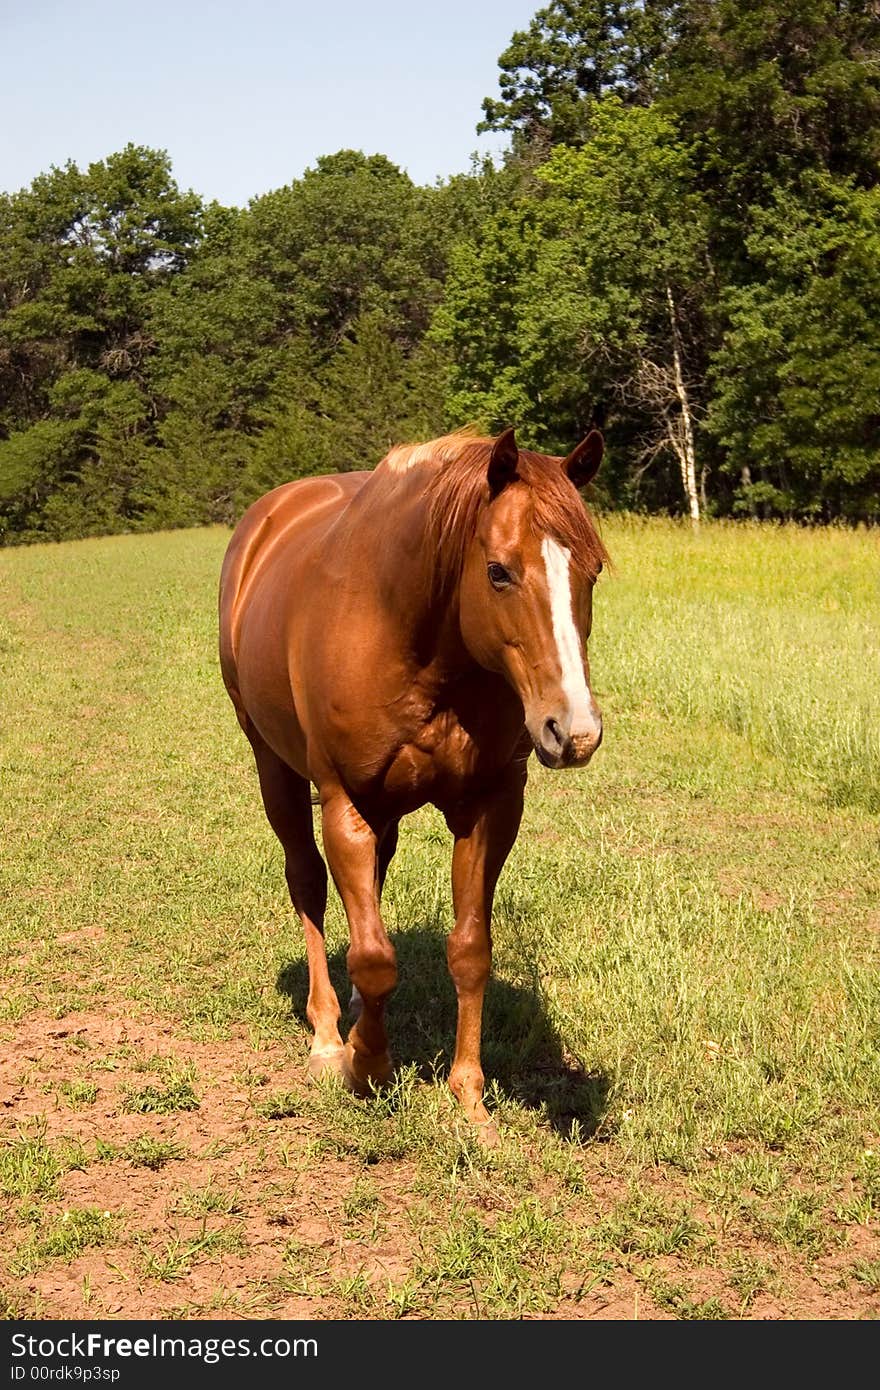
(290, 1245)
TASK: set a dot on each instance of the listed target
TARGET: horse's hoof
(328, 1062)
(363, 1071)
(480, 1121)
(486, 1133)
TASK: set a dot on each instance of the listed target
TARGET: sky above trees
(245, 96)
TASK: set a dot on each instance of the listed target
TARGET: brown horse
(404, 636)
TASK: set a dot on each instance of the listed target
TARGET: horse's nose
(560, 746)
(585, 744)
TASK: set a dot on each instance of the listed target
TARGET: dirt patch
(217, 1211)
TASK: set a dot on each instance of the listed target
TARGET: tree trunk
(686, 454)
(745, 477)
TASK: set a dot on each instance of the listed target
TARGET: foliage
(564, 301)
(573, 54)
(797, 377)
(81, 255)
(775, 89)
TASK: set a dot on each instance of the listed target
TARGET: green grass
(769, 631)
(209, 1200)
(867, 1273)
(63, 1239)
(686, 934)
(175, 1257)
(147, 1152)
(29, 1167)
(79, 1093)
(176, 1094)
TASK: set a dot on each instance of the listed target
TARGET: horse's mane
(458, 490)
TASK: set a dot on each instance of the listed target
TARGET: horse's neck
(391, 549)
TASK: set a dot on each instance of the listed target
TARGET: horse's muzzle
(557, 747)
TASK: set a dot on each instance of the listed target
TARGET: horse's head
(526, 592)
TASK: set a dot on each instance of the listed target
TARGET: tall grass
(772, 631)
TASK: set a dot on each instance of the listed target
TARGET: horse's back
(277, 524)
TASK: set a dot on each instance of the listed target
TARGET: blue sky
(245, 94)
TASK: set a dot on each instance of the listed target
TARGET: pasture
(682, 1035)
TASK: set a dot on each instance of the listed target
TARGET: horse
(404, 636)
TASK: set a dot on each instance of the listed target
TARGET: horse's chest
(428, 744)
(441, 748)
(444, 760)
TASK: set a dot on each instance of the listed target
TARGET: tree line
(682, 245)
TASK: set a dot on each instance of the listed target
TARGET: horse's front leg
(352, 848)
(484, 831)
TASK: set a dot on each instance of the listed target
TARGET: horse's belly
(266, 693)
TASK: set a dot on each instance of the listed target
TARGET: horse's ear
(503, 461)
(582, 464)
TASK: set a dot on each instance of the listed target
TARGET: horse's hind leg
(287, 799)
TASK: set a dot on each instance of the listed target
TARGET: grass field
(682, 1034)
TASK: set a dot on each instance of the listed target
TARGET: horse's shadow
(522, 1051)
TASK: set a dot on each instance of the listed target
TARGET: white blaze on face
(568, 642)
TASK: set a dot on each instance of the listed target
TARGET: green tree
(594, 291)
(774, 89)
(776, 105)
(81, 253)
(796, 380)
(574, 53)
(294, 341)
(374, 396)
(352, 235)
(220, 353)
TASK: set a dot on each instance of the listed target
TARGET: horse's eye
(499, 577)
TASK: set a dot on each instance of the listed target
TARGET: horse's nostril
(553, 735)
